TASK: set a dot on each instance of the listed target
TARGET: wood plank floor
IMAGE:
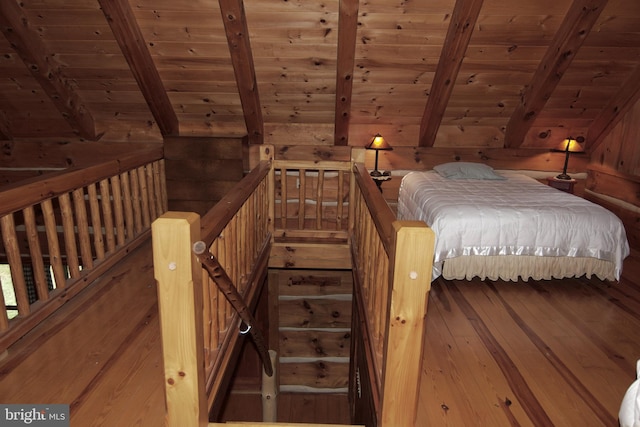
(558, 353)
(101, 354)
(548, 353)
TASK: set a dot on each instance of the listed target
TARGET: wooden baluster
(340, 204)
(82, 225)
(302, 197)
(319, 199)
(127, 202)
(225, 255)
(241, 225)
(136, 202)
(144, 196)
(4, 316)
(107, 213)
(55, 258)
(37, 263)
(235, 267)
(153, 211)
(116, 189)
(10, 240)
(69, 235)
(163, 186)
(207, 313)
(214, 325)
(96, 224)
(254, 220)
(283, 198)
(157, 189)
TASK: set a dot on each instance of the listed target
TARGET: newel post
(179, 277)
(412, 264)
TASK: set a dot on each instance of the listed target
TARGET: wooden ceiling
(459, 73)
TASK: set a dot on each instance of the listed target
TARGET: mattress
(517, 216)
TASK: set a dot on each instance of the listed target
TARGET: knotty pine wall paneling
(614, 174)
(200, 171)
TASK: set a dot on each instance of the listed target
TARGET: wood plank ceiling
(472, 73)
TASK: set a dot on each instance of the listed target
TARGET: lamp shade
(378, 143)
(572, 145)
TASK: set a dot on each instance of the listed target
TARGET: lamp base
(564, 177)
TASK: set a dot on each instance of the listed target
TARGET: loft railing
(392, 263)
(198, 324)
(392, 275)
(61, 231)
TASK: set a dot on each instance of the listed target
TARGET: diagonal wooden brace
(225, 284)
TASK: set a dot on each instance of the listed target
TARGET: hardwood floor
(548, 353)
(558, 353)
(101, 353)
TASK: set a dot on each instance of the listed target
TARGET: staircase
(314, 329)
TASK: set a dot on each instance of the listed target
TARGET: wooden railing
(63, 230)
(199, 326)
(392, 263)
(311, 198)
(391, 268)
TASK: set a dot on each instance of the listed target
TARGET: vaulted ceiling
(476, 73)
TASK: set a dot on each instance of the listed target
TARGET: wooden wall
(21, 160)
(614, 173)
(200, 171)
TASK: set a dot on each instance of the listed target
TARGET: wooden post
(179, 274)
(270, 391)
(412, 264)
(267, 153)
(357, 156)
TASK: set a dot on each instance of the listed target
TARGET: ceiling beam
(614, 111)
(127, 32)
(45, 68)
(463, 19)
(235, 24)
(347, 30)
(573, 31)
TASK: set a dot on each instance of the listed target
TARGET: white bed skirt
(520, 267)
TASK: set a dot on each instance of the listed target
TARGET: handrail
(392, 262)
(384, 216)
(30, 191)
(61, 231)
(236, 231)
(221, 213)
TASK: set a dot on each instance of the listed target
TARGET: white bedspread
(516, 216)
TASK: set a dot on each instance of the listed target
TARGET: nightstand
(561, 184)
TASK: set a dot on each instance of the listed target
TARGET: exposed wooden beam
(235, 24)
(614, 111)
(463, 19)
(347, 29)
(573, 31)
(127, 32)
(45, 68)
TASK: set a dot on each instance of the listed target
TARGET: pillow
(466, 170)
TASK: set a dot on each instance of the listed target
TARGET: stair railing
(61, 231)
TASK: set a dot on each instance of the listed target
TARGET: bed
(509, 226)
